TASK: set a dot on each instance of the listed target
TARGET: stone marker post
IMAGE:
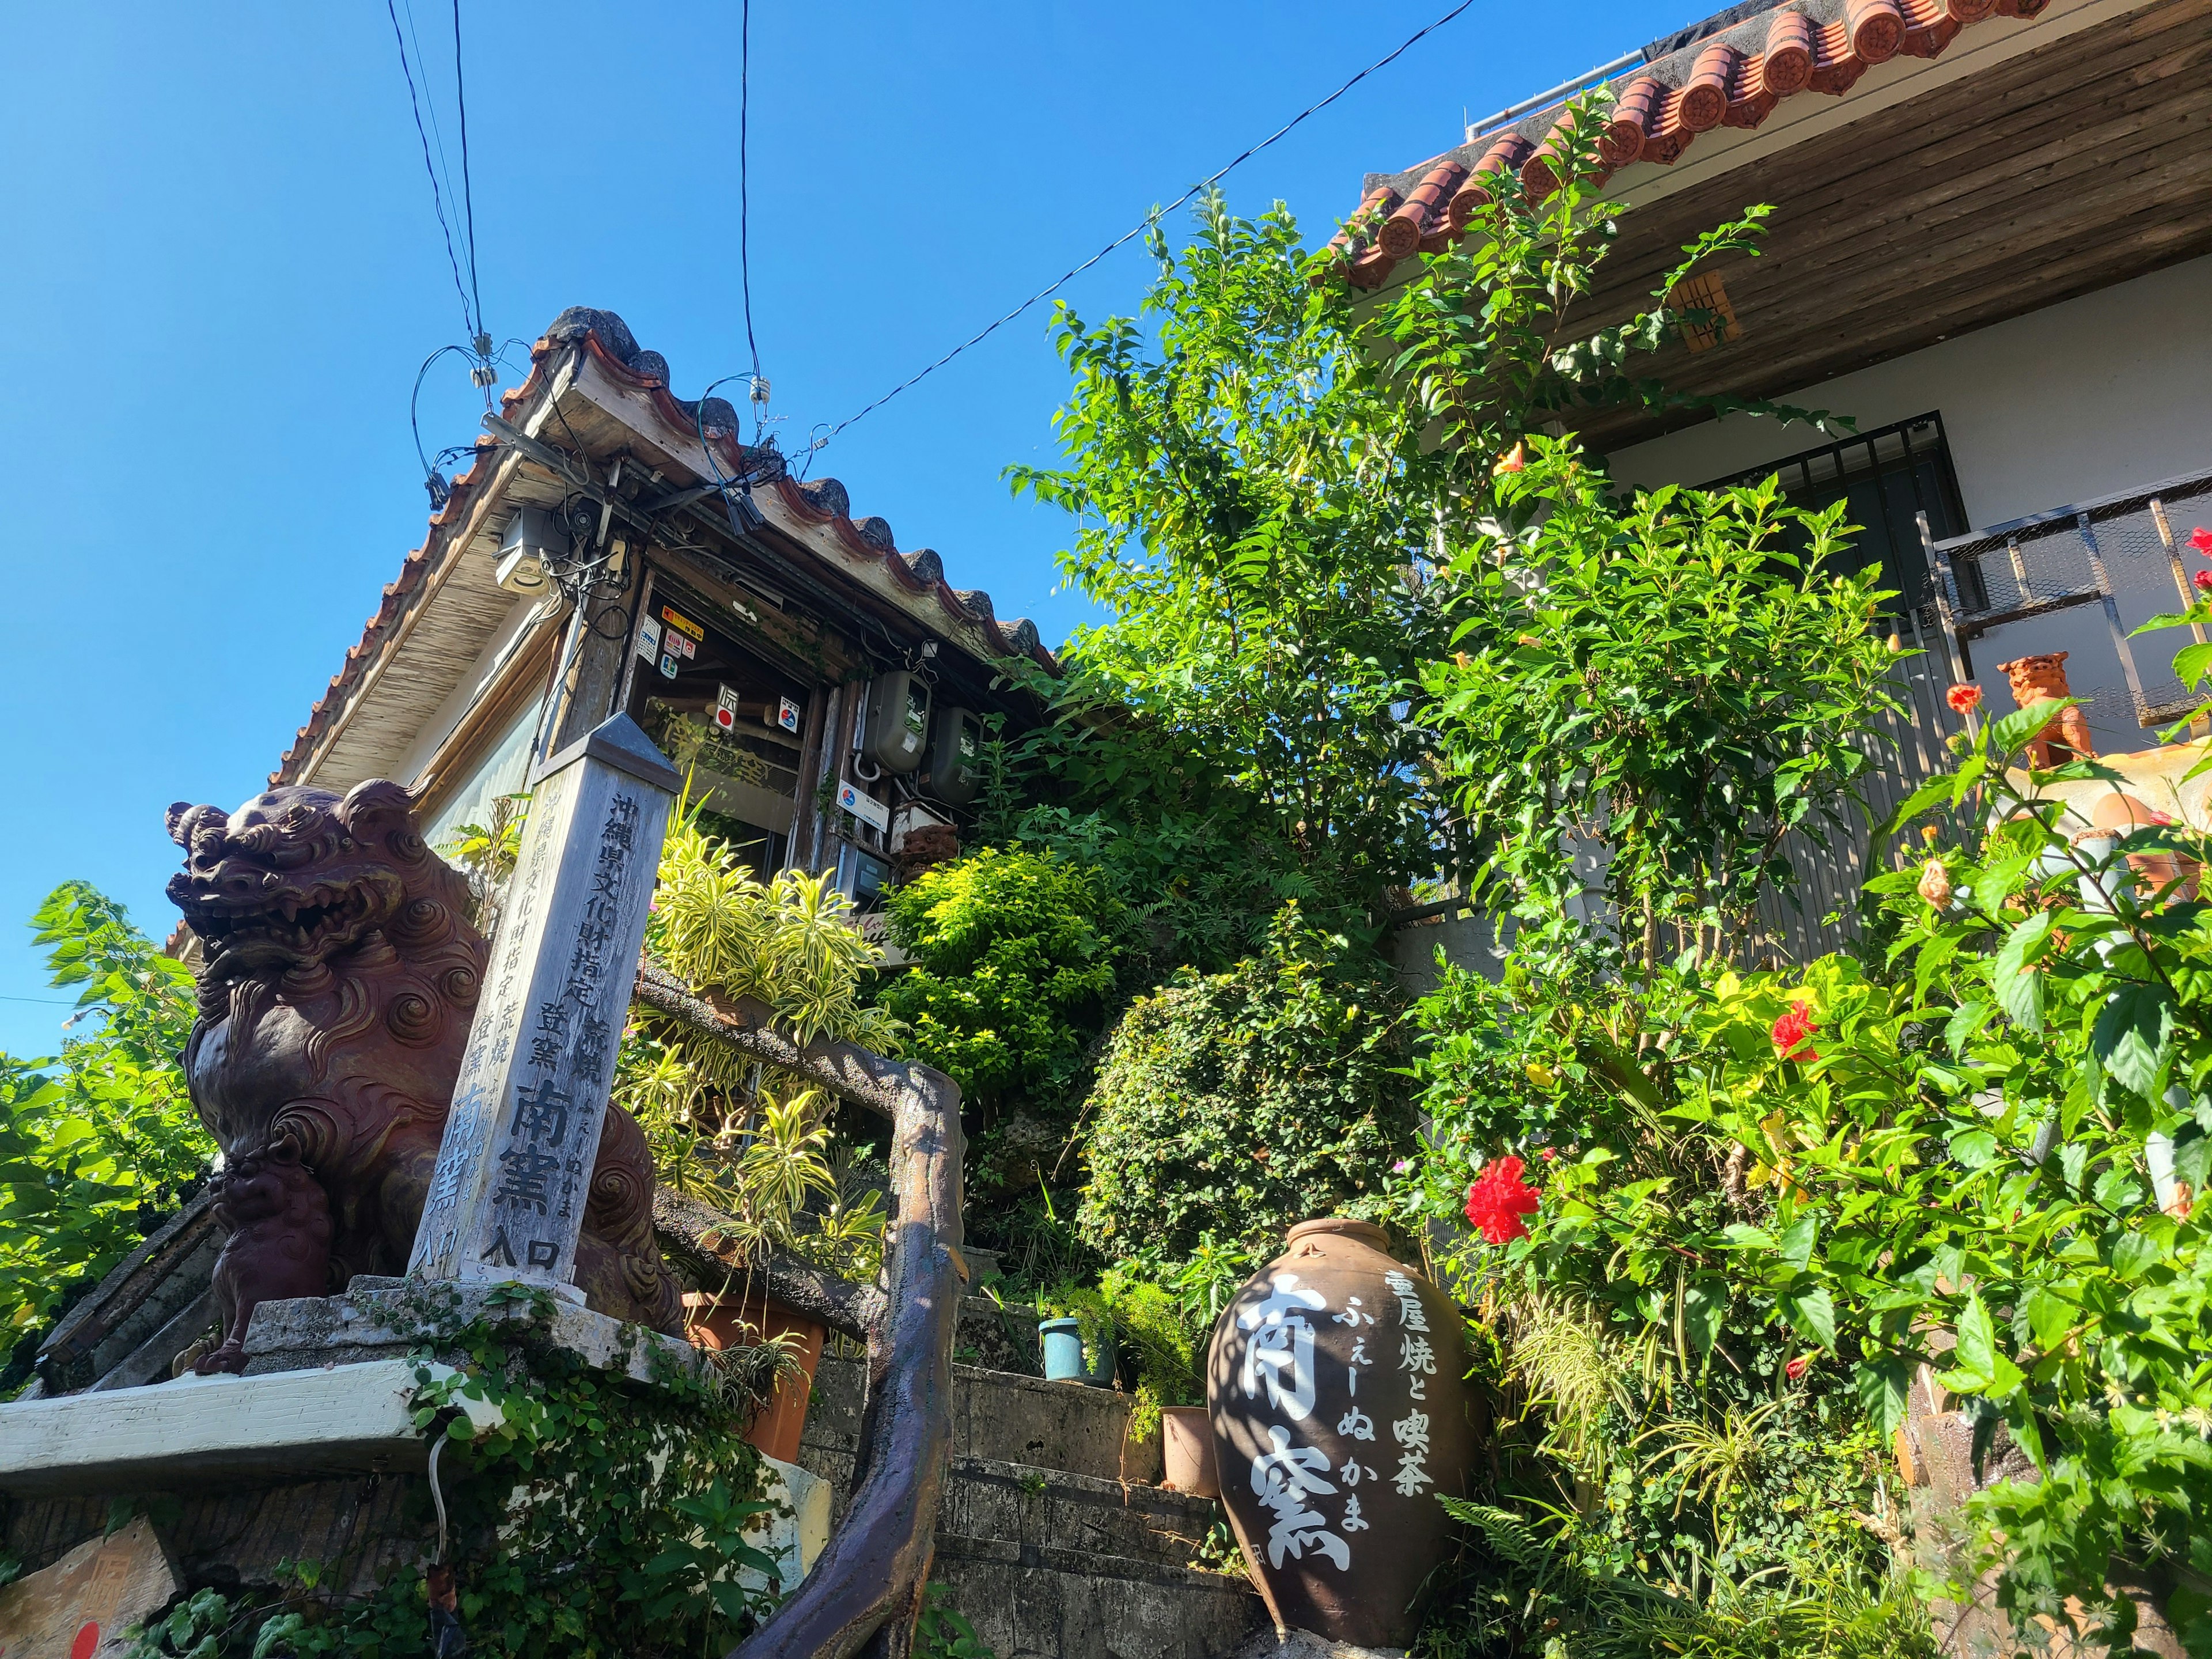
(515, 1170)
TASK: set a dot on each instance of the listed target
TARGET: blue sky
(222, 270)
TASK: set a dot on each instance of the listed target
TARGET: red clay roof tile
(1785, 65)
(816, 501)
(1402, 231)
(1705, 101)
(1509, 151)
(1733, 77)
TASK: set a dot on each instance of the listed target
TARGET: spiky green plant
(790, 942)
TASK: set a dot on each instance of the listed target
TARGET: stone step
(1052, 1540)
(1029, 1602)
(1051, 1510)
(995, 1415)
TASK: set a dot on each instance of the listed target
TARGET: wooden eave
(420, 658)
(2061, 170)
(612, 411)
(854, 605)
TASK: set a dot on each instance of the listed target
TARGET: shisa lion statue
(341, 974)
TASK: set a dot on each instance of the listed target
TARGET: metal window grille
(1888, 477)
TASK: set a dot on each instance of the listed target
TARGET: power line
(477, 337)
(744, 213)
(1148, 220)
(437, 196)
(430, 114)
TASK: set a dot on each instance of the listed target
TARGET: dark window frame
(1828, 472)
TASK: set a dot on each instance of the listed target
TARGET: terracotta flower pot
(1335, 1387)
(730, 1322)
(1187, 1450)
(2175, 875)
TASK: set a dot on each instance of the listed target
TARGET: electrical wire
(744, 205)
(477, 337)
(484, 362)
(743, 484)
(1150, 220)
(438, 1498)
(414, 402)
(430, 113)
(437, 195)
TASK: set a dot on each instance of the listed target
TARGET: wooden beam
(2049, 176)
(865, 1591)
(699, 1237)
(1994, 272)
(1995, 275)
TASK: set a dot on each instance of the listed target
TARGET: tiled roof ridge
(817, 501)
(1733, 77)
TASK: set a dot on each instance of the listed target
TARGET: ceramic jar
(1335, 1387)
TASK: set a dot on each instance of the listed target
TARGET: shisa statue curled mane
(341, 976)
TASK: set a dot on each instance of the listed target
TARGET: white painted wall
(2100, 394)
(2104, 393)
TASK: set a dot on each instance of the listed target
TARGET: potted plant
(1160, 1349)
(743, 1318)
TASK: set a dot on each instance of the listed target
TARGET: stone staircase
(1054, 1539)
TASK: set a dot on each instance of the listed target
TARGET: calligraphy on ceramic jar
(1336, 1397)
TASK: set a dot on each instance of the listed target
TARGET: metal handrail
(1963, 621)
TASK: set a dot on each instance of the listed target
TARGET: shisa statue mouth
(282, 882)
(293, 924)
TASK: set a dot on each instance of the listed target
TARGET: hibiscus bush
(1992, 1169)
(1973, 1163)
(1673, 1441)
(1649, 692)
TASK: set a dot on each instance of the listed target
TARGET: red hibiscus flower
(1793, 1031)
(1498, 1199)
(1963, 697)
(1796, 1369)
(2203, 581)
(2201, 539)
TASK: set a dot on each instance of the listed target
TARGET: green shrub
(97, 1146)
(1240, 1102)
(1519, 1591)
(1158, 1343)
(1015, 955)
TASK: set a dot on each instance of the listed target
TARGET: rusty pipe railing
(866, 1590)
